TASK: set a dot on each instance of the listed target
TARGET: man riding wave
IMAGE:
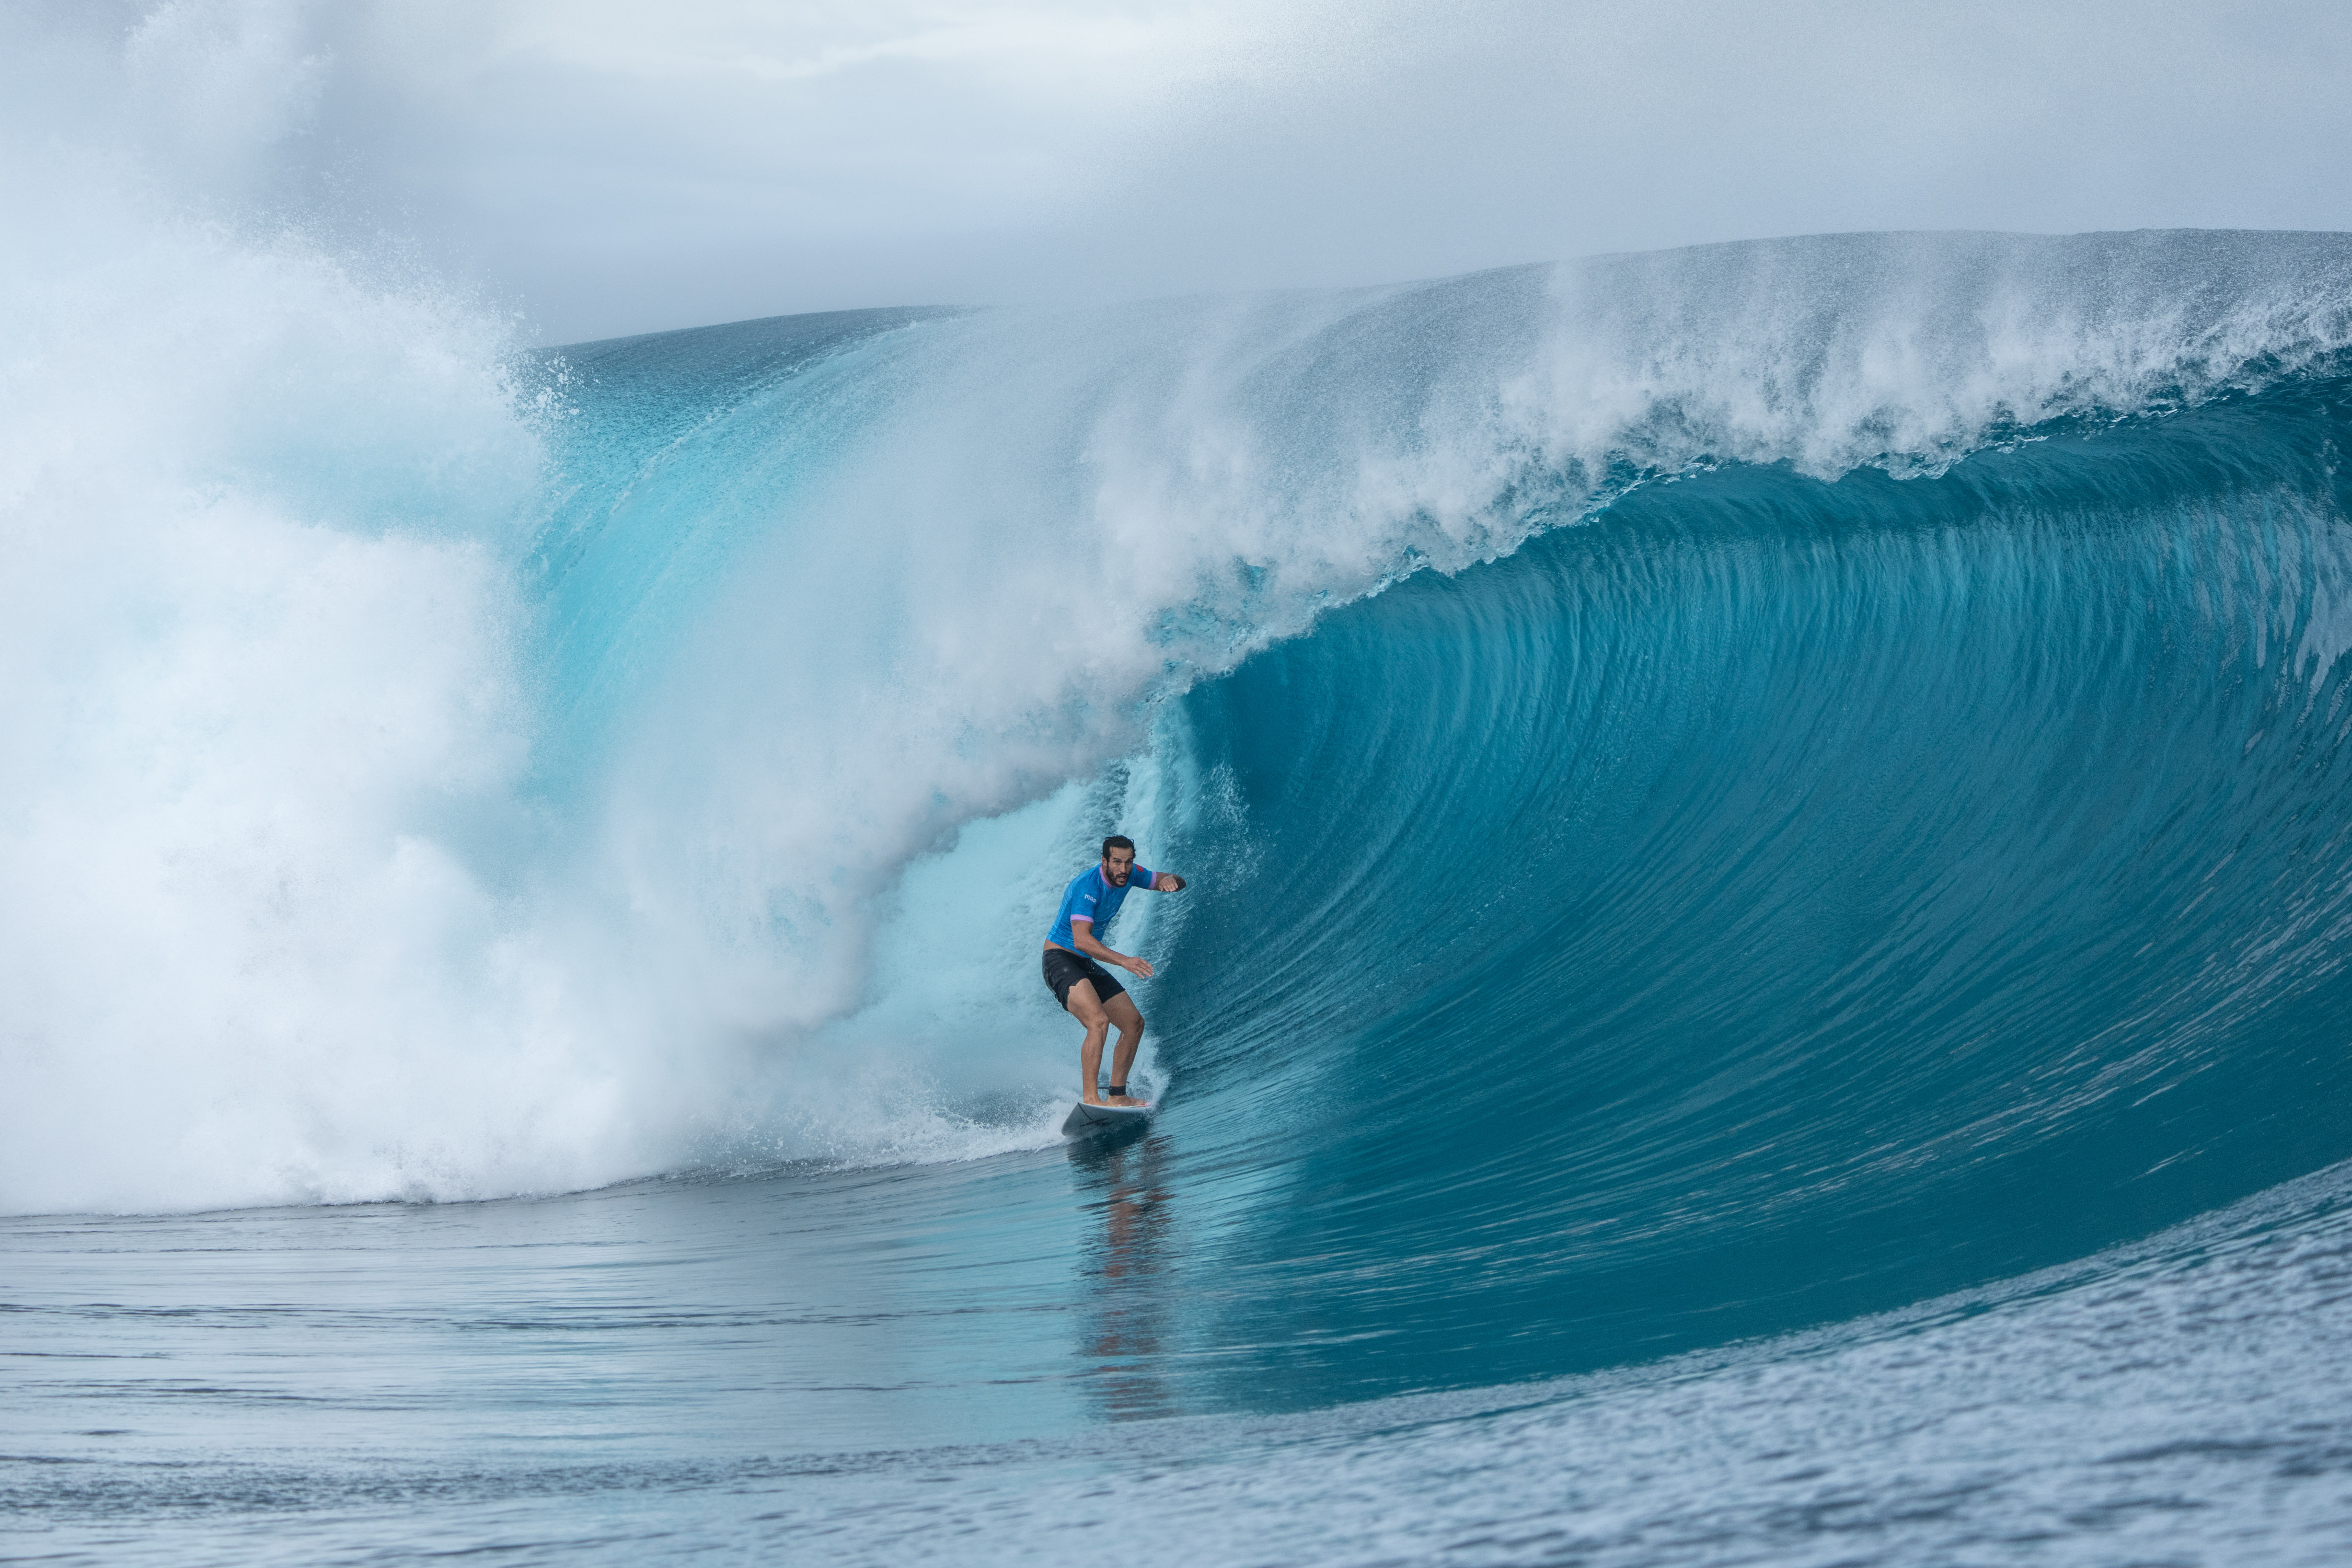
(1075, 956)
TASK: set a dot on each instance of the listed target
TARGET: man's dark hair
(1117, 841)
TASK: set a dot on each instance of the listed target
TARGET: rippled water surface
(664, 1374)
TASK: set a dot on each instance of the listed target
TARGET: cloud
(614, 167)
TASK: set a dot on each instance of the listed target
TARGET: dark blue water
(1765, 977)
(1799, 884)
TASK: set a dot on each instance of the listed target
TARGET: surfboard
(1085, 1118)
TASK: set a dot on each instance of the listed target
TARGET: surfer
(1074, 956)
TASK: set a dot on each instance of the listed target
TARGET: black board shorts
(1065, 969)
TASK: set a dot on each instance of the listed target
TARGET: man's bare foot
(1090, 1097)
(1127, 1100)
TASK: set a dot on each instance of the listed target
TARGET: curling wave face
(1782, 900)
(1773, 823)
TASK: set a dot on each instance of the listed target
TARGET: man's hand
(1084, 933)
(1168, 882)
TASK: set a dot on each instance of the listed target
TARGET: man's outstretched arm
(1166, 883)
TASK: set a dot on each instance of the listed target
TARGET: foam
(260, 634)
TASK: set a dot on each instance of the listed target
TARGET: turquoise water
(1765, 977)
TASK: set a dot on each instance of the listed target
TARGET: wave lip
(1908, 350)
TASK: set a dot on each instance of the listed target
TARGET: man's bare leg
(1083, 1006)
(1120, 1010)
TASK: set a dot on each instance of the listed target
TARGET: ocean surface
(1764, 982)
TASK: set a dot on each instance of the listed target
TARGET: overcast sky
(612, 167)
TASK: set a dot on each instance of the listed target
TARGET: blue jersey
(1089, 898)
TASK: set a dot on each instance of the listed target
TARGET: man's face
(1116, 865)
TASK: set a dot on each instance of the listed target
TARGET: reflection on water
(1124, 1264)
